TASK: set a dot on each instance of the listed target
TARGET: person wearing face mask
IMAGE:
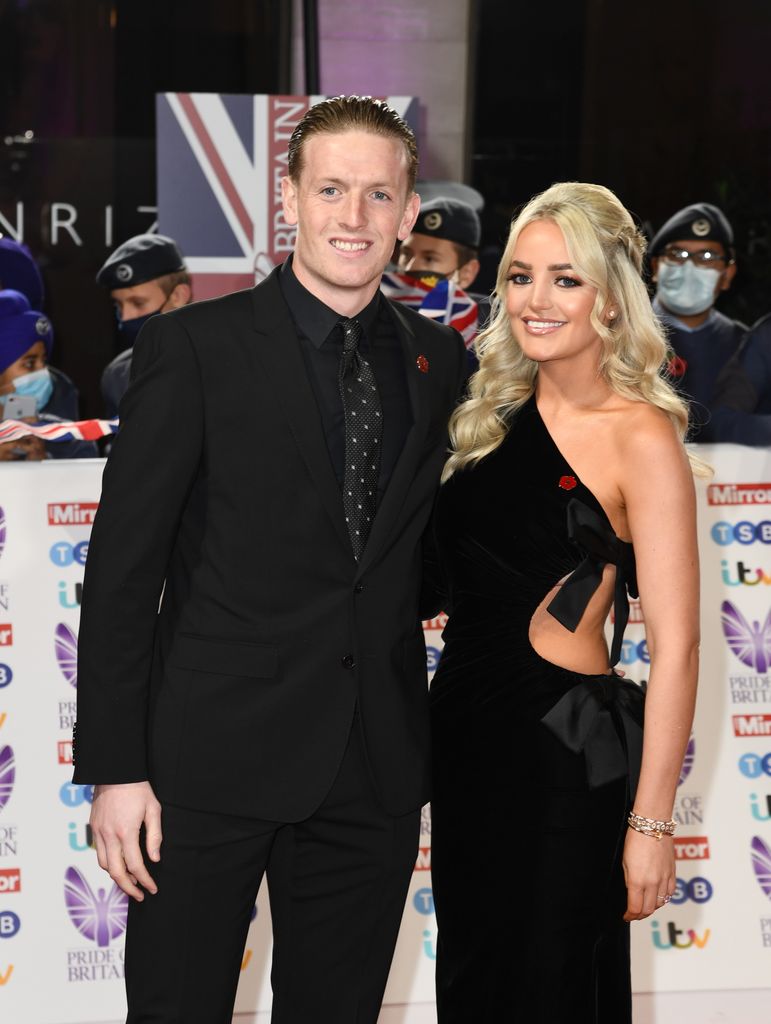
(145, 276)
(26, 339)
(445, 243)
(693, 262)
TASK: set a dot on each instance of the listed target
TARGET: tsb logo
(697, 890)
(741, 533)
(432, 658)
(755, 765)
(631, 652)
(63, 553)
(72, 795)
(9, 924)
(423, 901)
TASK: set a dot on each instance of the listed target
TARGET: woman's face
(549, 305)
(33, 359)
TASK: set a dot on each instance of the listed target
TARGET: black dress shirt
(321, 343)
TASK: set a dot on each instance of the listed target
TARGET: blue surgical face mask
(685, 289)
(39, 385)
(129, 329)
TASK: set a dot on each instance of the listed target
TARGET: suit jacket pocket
(224, 657)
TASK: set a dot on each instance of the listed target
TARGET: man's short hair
(353, 113)
(168, 282)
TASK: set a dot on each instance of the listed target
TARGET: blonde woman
(568, 486)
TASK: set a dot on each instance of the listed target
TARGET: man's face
(422, 252)
(140, 300)
(702, 253)
(350, 205)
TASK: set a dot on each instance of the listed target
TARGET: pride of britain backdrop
(62, 920)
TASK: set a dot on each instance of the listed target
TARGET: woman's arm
(658, 492)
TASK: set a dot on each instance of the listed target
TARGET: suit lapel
(406, 466)
(281, 359)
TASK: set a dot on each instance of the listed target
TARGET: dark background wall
(667, 102)
(664, 102)
(77, 126)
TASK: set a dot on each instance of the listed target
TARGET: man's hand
(117, 813)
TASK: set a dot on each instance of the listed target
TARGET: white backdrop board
(61, 923)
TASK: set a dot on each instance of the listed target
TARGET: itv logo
(672, 937)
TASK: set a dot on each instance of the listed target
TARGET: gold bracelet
(650, 826)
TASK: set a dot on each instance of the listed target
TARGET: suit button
(358, 588)
(348, 661)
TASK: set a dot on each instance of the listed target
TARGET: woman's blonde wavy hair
(606, 250)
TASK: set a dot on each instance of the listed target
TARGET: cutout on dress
(584, 650)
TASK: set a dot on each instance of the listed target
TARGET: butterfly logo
(2, 531)
(761, 862)
(66, 647)
(750, 643)
(99, 916)
(690, 752)
(7, 774)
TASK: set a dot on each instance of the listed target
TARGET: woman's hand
(649, 868)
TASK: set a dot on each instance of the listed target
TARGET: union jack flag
(437, 298)
(221, 159)
(77, 430)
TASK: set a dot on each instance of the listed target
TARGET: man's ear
(654, 268)
(410, 215)
(180, 296)
(727, 277)
(467, 273)
(289, 199)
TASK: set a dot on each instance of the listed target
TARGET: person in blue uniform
(26, 339)
(566, 458)
(693, 262)
(445, 242)
(20, 273)
(145, 276)
(742, 413)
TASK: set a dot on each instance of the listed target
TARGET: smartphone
(19, 407)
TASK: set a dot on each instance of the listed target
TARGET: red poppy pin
(422, 364)
(677, 366)
(567, 483)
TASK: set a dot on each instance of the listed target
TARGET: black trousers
(337, 884)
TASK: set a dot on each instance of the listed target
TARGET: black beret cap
(140, 259)
(699, 221)
(451, 219)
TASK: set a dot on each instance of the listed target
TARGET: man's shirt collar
(313, 317)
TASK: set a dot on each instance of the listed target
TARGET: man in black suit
(271, 715)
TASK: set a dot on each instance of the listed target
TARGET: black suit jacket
(238, 694)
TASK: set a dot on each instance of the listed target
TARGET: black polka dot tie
(363, 437)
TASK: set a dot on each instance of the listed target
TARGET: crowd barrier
(62, 920)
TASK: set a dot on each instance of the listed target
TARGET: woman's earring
(611, 313)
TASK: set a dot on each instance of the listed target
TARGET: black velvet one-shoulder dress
(535, 766)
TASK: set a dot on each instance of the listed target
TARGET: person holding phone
(29, 388)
